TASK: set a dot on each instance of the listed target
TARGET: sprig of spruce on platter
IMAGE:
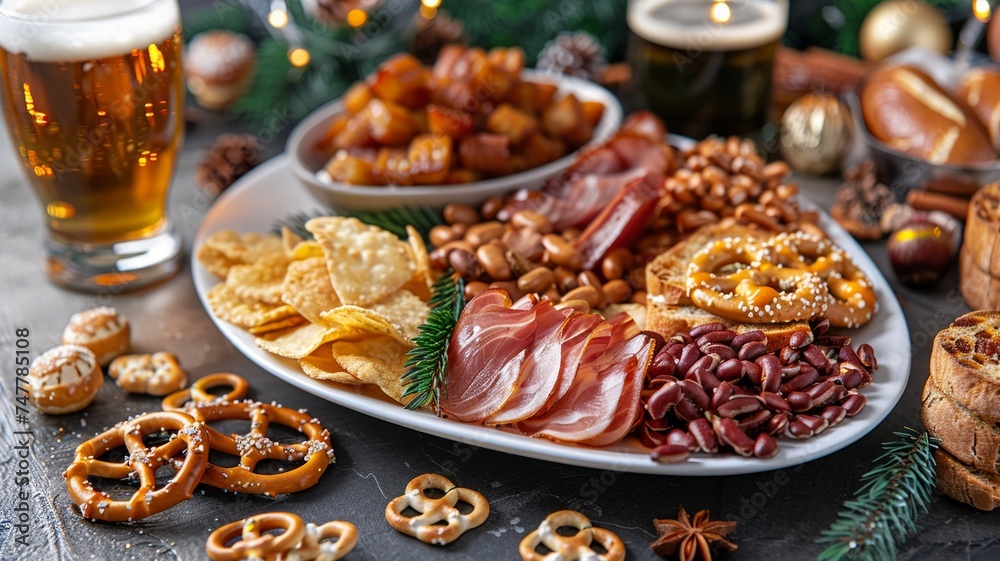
(393, 220)
(885, 508)
(427, 364)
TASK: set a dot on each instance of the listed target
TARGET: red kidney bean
(854, 403)
(688, 411)
(739, 405)
(788, 355)
(659, 381)
(731, 369)
(774, 402)
(815, 424)
(724, 336)
(848, 375)
(847, 354)
(682, 338)
(662, 364)
(791, 370)
(839, 393)
(721, 394)
(699, 330)
(799, 339)
(651, 438)
(753, 372)
(674, 349)
(730, 434)
(821, 393)
(682, 438)
(753, 421)
(833, 341)
(670, 454)
(765, 446)
(658, 341)
(663, 399)
(770, 372)
(834, 414)
(696, 393)
(704, 378)
(752, 350)
(867, 355)
(799, 401)
(816, 357)
(703, 433)
(707, 362)
(689, 355)
(821, 327)
(755, 336)
(797, 430)
(778, 423)
(723, 352)
(799, 383)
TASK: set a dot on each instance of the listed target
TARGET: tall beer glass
(704, 66)
(92, 96)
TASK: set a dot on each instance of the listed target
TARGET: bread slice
(666, 276)
(972, 439)
(965, 362)
(980, 290)
(982, 230)
(966, 484)
(668, 319)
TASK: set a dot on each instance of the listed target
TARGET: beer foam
(77, 30)
(687, 25)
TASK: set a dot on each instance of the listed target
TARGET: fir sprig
(393, 220)
(885, 508)
(427, 364)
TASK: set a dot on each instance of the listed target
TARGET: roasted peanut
(530, 219)
(460, 214)
(491, 208)
(440, 235)
(562, 253)
(565, 279)
(536, 280)
(491, 257)
(616, 263)
(484, 232)
(616, 291)
(472, 288)
(465, 263)
(588, 294)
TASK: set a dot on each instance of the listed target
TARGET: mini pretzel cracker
(251, 448)
(198, 392)
(190, 443)
(155, 374)
(571, 548)
(254, 542)
(316, 545)
(431, 510)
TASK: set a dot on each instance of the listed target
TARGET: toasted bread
(966, 484)
(972, 439)
(982, 230)
(980, 290)
(965, 362)
(667, 319)
(666, 276)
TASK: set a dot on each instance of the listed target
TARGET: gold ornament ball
(816, 133)
(896, 25)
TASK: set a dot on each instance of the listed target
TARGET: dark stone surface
(780, 513)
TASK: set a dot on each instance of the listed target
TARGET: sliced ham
(485, 355)
(577, 332)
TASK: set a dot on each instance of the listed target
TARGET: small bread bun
(103, 330)
(219, 66)
(980, 89)
(903, 107)
(64, 379)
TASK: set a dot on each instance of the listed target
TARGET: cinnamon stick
(926, 201)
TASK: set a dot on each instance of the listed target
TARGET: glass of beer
(92, 96)
(704, 66)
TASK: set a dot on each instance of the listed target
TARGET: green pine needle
(393, 220)
(885, 508)
(427, 363)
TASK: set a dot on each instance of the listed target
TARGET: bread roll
(980, 90)
(903, 107)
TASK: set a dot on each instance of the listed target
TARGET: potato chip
(321, 365)
(307, 288)
(277, 325)
(366, 263)
(424, 274)
(362, 319)
(262, 280)
(305, 250)
(245, 313)
(222, 250)
(374, 360)
(405, 311)
(299, 341)
(289, 240)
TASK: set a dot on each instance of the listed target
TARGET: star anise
(692, 538)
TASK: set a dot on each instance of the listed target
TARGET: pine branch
(885, 508)
(394, 220)
(427, 363)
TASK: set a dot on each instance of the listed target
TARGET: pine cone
(861, 202)
(334, 12)
(574, 54)
(228, 159)
(433, 34)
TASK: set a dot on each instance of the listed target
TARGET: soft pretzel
(190, 442)
(852, 301)
(198, 392)
(570, 548)
(316, 453)
(729, 279)
(64, 379)
(423, 526)
(104, 331)
(155, 374)
(315, 546)
(253, 541)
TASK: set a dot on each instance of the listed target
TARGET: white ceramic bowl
(306, 160)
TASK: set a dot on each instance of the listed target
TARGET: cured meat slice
(620, 223)
(590, 407)
(577, 333)
(539, 371)
(485, 355)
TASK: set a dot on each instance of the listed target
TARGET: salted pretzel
(729, 279)
(151, 374)
(852, 301)
(315, 546)
(253, 541)
(423, 526)
(198, 392)
(190, 444)
(316, 452)
(570, 548)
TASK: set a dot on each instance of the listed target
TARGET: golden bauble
(816, 133)
(896, 25)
